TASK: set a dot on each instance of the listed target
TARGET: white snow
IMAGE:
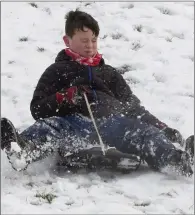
(161, 74)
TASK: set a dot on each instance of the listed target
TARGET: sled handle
(94, 123)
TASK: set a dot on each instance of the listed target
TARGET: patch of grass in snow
(167, 194)
(33, 4)
(169, 39)
(116, 36)
(69, 202)
(47, 10)
(138, 28)
(23, 39)
(30, 184)
(142, 203)
(176, 35)
(129, 6)
(11, 62)
(49, 197)
(172, 193)
(104, 37)
(136, 45)
(179, 35)
(40, 49)
(191, 58)
(87, 4)
(125, 68)
(165, 11)
(178, 211)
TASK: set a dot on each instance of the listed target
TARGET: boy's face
(83, 42)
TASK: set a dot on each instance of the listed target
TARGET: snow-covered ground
(153, 43)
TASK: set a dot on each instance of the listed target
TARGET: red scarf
(90, 61)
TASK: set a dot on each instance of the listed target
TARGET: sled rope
(100, 139)
(94, 123)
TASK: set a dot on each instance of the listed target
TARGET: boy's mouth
(89, 53)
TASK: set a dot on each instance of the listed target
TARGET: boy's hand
(72, 95)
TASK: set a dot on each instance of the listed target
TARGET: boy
(62, 117)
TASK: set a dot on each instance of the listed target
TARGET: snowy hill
(152, 44)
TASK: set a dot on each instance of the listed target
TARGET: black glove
(173, 135)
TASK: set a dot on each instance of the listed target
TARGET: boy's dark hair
(78, 20)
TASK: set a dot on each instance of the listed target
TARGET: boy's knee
(151, 131)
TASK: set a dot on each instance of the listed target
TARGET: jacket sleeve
(131, 103)
(44, 103)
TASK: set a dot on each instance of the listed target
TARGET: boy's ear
(66, 40)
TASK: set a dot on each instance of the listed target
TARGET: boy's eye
(86, 41)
